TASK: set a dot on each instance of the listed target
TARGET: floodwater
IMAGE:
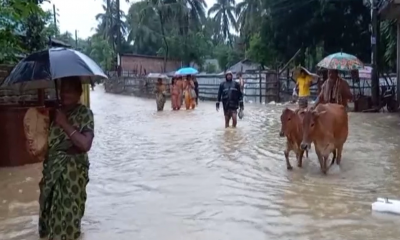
(181, 175)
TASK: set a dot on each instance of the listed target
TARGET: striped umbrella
(341, 61)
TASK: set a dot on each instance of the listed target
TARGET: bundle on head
(36, 128)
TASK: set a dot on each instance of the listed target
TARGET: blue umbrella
(186, 71)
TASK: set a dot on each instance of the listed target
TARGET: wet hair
(173, 81)
(74, 82)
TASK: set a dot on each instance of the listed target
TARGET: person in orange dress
(176, 90)
(189, 93)
(180, 83)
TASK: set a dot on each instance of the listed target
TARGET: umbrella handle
(57, 97)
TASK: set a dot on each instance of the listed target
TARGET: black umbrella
(38, 69)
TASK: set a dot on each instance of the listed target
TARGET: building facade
(142, 65)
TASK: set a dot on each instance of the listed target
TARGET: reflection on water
(181, 175)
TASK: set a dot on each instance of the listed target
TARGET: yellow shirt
(304, 85)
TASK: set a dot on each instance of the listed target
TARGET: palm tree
(184, 11)
(109, 23)
(143, 29)
(248, 14)
(224, 15)
(190, 15)
(162, 10)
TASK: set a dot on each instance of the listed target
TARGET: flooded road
(181, 175)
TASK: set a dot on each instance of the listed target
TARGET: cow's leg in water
(300, 158)
(339, 154)
(334, 156)
(286, 152)
(330, 148)
(319, 155)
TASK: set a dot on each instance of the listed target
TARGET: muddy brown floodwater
(181, 175)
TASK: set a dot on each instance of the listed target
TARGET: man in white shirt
(240, 81)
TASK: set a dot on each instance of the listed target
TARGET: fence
(256, 88)
(138, 86)
(259, 87)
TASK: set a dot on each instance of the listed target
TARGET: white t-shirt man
(240, 80)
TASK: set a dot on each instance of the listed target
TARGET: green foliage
(388, 45)
(227, 56)
(210, 68)
(269, 31)
(260, 52)
(101, 51)
(21, 29)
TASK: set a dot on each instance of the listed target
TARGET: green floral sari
(65, 176)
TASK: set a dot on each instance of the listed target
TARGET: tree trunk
(164, 39)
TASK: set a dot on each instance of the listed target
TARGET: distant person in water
(304, 81)
(179, 82)
(232, 98)
(189, 93)
(160, 94)
(241, 81)
(196, 89)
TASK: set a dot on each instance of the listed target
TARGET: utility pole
(55, 19)
(374, 54)
(76, 39)
(119, 27)
(118, 52)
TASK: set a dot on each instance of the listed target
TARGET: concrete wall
(137, 86)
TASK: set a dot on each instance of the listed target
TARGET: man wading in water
(232, 98)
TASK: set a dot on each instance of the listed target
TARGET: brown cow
(292, 129)
(327, 127)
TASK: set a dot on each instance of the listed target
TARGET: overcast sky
(80, 14)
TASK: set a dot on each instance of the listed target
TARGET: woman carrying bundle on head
(304, 81)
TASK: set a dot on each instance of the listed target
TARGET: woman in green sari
(65, 169)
